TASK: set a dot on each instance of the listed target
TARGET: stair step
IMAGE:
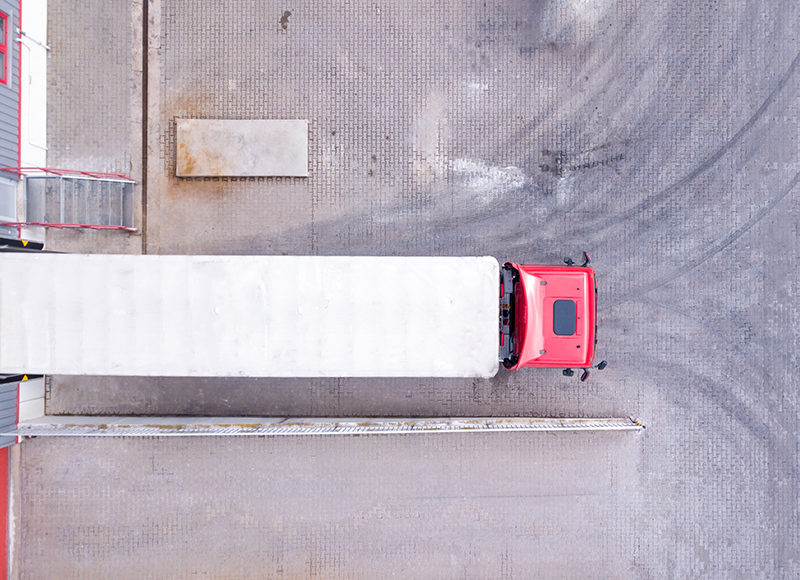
(70, 200)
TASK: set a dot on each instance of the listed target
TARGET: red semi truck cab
(547, 316)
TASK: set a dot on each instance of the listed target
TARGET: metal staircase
(76, 199)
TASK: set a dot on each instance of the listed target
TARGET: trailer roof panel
(281, 316)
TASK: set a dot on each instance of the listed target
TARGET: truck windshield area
(564, 317)
(507, 316)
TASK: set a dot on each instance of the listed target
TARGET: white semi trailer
(289, 316)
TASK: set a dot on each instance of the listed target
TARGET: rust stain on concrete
(185, 161)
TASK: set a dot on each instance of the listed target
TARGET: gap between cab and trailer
(98, 426)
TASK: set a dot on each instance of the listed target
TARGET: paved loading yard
(660, 136)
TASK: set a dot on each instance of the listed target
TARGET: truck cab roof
(555, 316)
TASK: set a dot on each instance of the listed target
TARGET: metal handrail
(26, 172)
(61, 226)
(29, 175)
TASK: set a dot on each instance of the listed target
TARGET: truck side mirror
(587, 259)
(567, 372)
(603, 364)
(569, 261)
(585, 375)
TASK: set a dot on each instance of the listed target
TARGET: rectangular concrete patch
(242, 148)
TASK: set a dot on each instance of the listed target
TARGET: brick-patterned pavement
(90, 75)
(660, 136)
(94, 105)
(330, 507)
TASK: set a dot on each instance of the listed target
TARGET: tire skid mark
(719, 247)
(761, 431)
(709, 162)
(737, 347)
(717, 391)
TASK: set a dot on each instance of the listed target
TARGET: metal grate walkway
(85, 426)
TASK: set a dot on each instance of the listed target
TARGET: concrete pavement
(660, 136)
